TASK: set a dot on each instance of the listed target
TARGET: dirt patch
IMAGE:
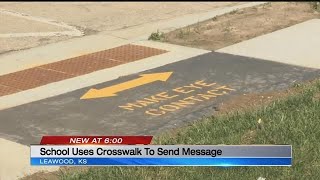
(247, 102)
(316, 97)
(243, 24)
(249, 137)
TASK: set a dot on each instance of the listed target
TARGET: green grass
(293, 120)
(156, 36)
(315, 5)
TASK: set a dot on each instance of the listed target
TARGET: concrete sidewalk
(15, 161)
(24, 59)
(297, 45)
(94, 18)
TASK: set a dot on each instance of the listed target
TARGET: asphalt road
(147, 107)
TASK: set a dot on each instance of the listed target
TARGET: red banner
(99, 140)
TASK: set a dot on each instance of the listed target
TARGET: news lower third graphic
(115, 151)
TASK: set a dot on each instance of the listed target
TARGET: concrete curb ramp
(174, 54)
(73, 67)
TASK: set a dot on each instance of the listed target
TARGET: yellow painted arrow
(113, 90)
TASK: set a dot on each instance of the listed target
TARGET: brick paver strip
(5, 90)
(83, 64)
(129, 53)
(31, 78)
(57, 71)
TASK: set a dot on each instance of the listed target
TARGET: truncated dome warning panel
(57, 71)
